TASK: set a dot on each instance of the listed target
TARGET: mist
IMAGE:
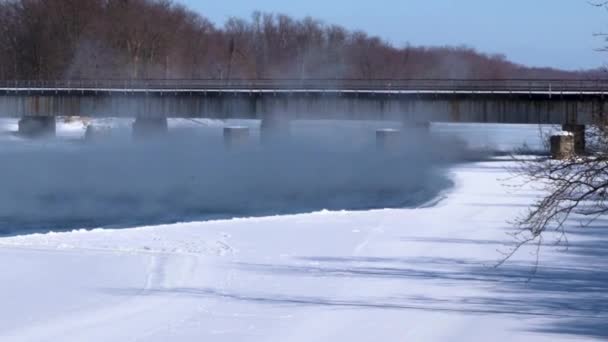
(190, 175)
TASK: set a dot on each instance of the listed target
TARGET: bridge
(276, 102)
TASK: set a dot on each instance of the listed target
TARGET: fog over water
(190, 175)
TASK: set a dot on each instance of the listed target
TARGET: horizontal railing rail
(504, 85)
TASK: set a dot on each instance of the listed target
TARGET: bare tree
(573, 188)
(49, 39)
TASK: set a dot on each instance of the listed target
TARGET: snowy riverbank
(398, 275)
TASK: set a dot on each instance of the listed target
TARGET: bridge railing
(505, 85)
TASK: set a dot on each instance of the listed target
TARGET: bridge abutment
(150, 127)
(93, 133)
(562, 146)
(578, 132)
(37, 126)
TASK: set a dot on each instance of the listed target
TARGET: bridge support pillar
(150, 127)
(274, 128)
(93, 133)
(578, 131)
(388, 139)
(562, 146)
(236, 136)
(37, 126)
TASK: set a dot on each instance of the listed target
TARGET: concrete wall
(443, 107)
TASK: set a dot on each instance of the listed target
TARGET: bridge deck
(498, 101)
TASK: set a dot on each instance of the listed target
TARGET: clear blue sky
(557, 33)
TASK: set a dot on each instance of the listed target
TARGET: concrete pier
(93, 133)
(562, 146)
(236, 136)
(37, 126)
(578, 132)
(150, 127)
(388, 138)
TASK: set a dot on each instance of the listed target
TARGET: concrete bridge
(275, 102)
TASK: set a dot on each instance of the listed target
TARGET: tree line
(139, 39)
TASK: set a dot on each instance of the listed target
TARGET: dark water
(64, 185)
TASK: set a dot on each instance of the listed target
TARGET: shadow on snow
(567, 294)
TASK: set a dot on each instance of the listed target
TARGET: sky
(555, 33)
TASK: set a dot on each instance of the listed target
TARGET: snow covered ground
(418, 274)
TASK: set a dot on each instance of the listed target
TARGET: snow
(420, 274)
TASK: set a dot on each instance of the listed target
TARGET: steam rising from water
(192, 176)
